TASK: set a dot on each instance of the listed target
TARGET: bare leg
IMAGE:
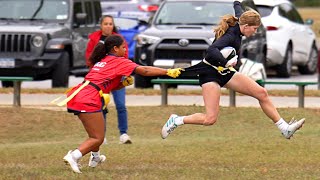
(94, 125)
(243, 84)
(211, 97)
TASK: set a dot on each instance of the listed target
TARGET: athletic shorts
(207, 73)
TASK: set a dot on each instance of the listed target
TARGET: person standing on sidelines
(107, 27)
(111, 71)
(217, 72)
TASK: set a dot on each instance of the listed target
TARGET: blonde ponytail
(225, 22)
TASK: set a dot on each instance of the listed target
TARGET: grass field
(242, 145)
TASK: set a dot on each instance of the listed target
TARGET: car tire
(311, 66)
(284, 69)
(60, 74)
(7, 84)
(142, 82)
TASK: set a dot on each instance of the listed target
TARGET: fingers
(232, 62)
(174, 72)
(127, 81)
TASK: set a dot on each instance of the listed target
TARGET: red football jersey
(108, 75)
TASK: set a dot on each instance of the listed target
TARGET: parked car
(45, 39)
(130, 8)
(131, 17)
(290, 40)
(181, 31)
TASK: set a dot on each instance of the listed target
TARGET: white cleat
(125, 139)
(169, 127)
(68, 159)
(294, 125)
(94, 161)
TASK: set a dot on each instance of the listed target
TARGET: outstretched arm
(237, 8)
(155, 71)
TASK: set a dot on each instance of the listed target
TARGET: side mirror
(308, 21)
(80, 18)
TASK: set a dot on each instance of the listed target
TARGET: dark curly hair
(104, 47)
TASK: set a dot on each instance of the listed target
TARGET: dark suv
(46, 39)
(181, 31)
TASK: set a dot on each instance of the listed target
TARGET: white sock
(179, 120)
(282, 125)
(76, 154)
(95, 154)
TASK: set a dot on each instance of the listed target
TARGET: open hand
(174, 72)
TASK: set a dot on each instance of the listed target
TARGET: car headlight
(37, 41)
(145, 39)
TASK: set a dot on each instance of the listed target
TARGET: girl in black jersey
(229, 33)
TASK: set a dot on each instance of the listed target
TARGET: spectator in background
(107, 27)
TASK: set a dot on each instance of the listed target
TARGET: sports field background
(243, 144)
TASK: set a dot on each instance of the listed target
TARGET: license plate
(7, 62)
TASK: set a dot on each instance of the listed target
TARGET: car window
(193, 12)
(295, 16)
(289, 12)
(27, 9)
(265, 10)
(88, 7)
(97, 11)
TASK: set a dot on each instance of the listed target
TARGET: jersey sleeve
(214, 55)
(126, 67)
(237, 9)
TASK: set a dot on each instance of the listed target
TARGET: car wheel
(284, 69)
(60, 74)
(7, 84)
(142, 82)
(311, 66)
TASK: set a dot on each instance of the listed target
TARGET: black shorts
(207, 73)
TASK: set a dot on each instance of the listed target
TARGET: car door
(92, 10)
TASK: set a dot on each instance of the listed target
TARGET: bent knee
(98, 140)
(210, 121)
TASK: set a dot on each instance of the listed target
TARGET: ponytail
(225, 22)
(98, 53)
(105, 47)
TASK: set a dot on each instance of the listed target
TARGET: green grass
(243, 144)
(134, 91)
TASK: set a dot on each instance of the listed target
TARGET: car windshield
(193, 13)
(34, 9)
(264, 10)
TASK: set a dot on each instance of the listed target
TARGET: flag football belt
(220, 69)
(105, 97)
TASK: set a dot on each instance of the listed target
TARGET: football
(228, 52)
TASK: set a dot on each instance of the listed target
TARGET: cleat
(68, 159)
(169, 126)
(294, 125)
(94, 161)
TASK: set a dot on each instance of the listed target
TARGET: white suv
(290, 40)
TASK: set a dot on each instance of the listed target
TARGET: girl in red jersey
(108, 27)
(109, 72)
